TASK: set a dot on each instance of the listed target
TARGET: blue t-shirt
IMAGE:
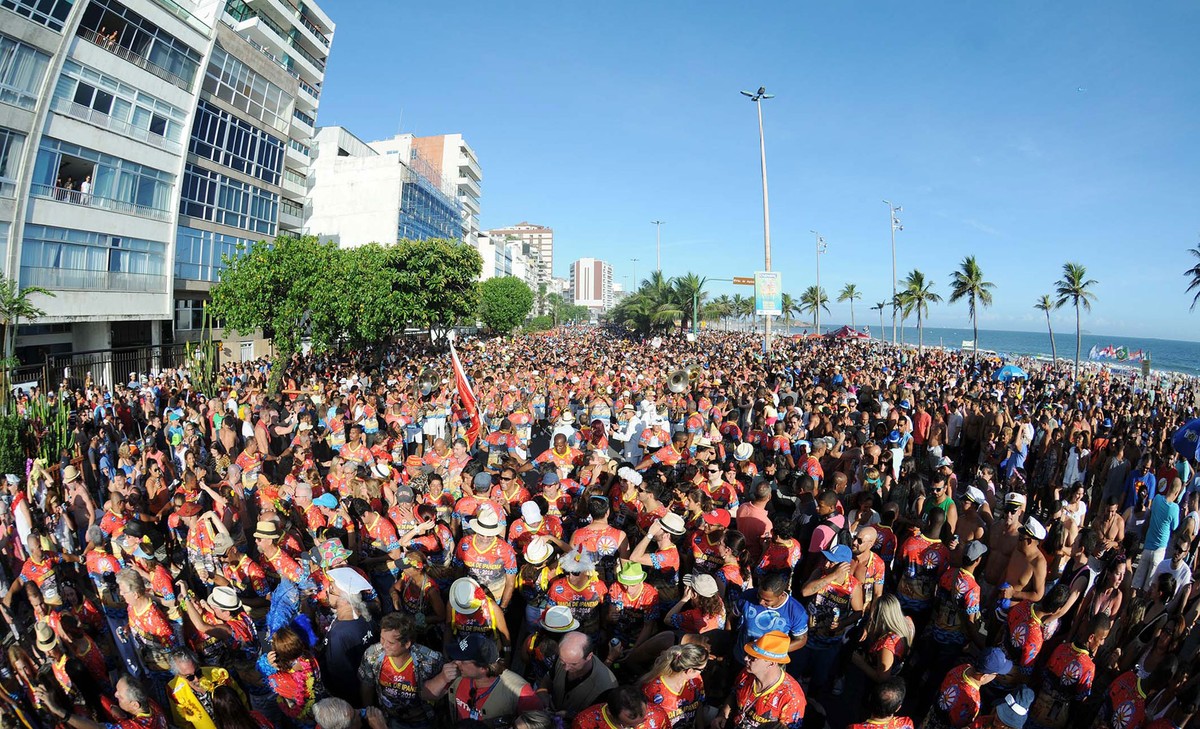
(757, 620)
(1164, 520)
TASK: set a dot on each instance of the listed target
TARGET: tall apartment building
(380, 192)
(139, 139)
(452, 159)
(541, 242)
(592, 284)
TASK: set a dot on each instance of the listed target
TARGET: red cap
(717, 517)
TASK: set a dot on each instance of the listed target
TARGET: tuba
(678, 381)
(693, 374)
(426, 382)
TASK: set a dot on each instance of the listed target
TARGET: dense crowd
(643, 534)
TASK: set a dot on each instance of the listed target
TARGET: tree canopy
(504, 303)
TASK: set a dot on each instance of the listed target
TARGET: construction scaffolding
(429, 205)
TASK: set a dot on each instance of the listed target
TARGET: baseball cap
(974, 550)
(839, 554)
(329, 501)
(549, 478)
(474, 647)
(717, 517)
(482, 480)
(993, 661)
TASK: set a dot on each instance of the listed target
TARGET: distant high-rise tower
(541, 243)
(592, 284)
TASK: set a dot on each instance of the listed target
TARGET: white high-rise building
(139, 139)
(455, 162)
(380, 192)
(541, 243)
(592, 284)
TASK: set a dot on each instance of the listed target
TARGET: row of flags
(1119, 353)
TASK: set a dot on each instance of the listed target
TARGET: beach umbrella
(1009, 372)
(1187, 438)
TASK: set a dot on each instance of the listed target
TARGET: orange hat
(772, 646)
(414, 461)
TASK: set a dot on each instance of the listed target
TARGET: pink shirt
(753, 523)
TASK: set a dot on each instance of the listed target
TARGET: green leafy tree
(1194, 274)
(1075, 288)
(442, 276)
(281, 287)
(743, 307)
(967, 283)
(812, 299)
(788, 306)
(504, 303)
(373, 308)
(917, 295)
(687, 292)
(850, 293)
(1046, 304)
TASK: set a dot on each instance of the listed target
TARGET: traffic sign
(743, 280)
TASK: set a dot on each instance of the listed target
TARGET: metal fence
(110, 367)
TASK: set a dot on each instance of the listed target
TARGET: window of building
(189, 314)
(223, 138)
(22, 69)
(200, 254)
(111, 25)
(211, 196)
(11, 145)
(65, 166)
(50, 13)
(238, 85)
(80, 259)
(126, 104)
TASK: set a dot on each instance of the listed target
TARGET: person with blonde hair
(879, 656)
(676, 678)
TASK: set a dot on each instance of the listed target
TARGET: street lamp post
(757, 97)
(892, 210)
(820, 249)
(634, 261)
(658, 224)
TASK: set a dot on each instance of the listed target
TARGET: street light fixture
(757, 97)
(634, 261)
(892, 210)
(821, 247)
(658, 224)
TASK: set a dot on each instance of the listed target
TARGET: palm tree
(880, 307)
(1045, 303)
(898, 306)
(850, 293)
(967, 283)
(722, 308)
(917, 295)
(812, 299)
(15, 306)
(1073, 288)
(1194, 272)
(687, 291)
(788, 305)
(743, 306)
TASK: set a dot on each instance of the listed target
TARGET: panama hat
(267, 530)
(486, 523)
(559, 619)
(466, 595)
(70, 473)
(46, 639)
(702, 585)
(673, 523)
(743, 452)
(224, 598)
(771, 646)
(537, 551)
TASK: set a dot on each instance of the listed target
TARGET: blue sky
(1027, 134)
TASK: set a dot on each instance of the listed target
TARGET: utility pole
(757, 97)
(895, 225)
(658, 224)
(820, 249)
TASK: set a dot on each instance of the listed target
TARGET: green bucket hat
(631, 573)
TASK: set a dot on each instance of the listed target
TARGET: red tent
(847, 333)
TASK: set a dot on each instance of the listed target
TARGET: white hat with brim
(486, 524)
(465, 595)
(224, 598)
(537, 551)
(559, 619)
(702, 585)
(673, 523)
(743, 452)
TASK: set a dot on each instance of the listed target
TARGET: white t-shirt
(1183, 573)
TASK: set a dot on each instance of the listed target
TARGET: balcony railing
(136, 59)
(65, 106)
(313, 91)
(87, 199)
(294, 178)
(67, 279)
(304, 117)
(287, 207)
(314, 29)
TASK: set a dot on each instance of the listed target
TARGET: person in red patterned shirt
(1066, 681)
(1125, 705)
(1024, 638)
(626, 708)
(675, 685)
(883, 705)
(764, 692)
(958, 701)
(138, 708)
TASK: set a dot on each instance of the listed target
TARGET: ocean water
(1165, 354)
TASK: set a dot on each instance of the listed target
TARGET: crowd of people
(641, 534)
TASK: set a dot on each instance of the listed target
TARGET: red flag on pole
(467, 396)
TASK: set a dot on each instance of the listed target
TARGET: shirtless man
(1109, 524)
(971, 524)
(1002, 542)
(1025, 576)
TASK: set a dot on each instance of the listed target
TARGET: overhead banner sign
(768, 293)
